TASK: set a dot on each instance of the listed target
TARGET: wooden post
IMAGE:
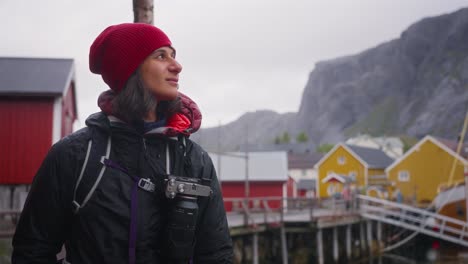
(244, 249)
(284, 249)
(465, 170)
(362, 238)
(143, 11)
(348, 241)
(335, 244)
(255, 248)
(369, 236)
(379, 235)
(320, 247)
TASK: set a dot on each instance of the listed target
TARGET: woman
(113, 205)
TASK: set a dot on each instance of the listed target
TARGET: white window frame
(404, 176)
(341, 160)
(352, 175)
(331, 189)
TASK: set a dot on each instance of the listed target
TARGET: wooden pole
(369, 236)
(320, 247)
(466, 192)
(143, 11)
(459, 147)
(255, 248)
(362, 238)
(335, 244)
(284, 249)
(379, 235)
(348, 241)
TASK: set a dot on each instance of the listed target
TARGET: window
(352, 175)
(341, 160)
(331, 189)
(403, 176)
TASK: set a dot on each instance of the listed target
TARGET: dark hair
(134, 102)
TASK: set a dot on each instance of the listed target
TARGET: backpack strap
(99, 147)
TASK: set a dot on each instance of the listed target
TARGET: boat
(452, 198)
(452, 201)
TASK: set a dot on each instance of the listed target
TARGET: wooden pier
(304, 230)
(303, 221)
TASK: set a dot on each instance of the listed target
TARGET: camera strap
(141, 183)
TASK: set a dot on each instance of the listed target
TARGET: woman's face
(160, 74)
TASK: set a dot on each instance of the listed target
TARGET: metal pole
(320, 247)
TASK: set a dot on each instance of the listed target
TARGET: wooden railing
(253, 211)
(415, 219)
(273, 210)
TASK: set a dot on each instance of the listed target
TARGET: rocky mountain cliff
(414, 85)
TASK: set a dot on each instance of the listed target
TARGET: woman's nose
(175, 67)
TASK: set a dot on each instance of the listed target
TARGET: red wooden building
(37, 108)
(267, 174)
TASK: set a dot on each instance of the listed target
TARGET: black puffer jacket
(99, 233)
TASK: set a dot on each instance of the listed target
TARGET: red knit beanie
(120, 49)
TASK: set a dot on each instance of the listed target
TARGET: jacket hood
(185, 122)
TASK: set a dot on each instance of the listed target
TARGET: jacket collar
(187, 121)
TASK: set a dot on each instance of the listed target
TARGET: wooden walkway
(415, 219)
(306, 211)
(301, 211)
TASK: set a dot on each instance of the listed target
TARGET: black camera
(184, 186)
(183, 212)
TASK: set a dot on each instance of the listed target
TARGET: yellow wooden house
(425, 167)
(348, 164)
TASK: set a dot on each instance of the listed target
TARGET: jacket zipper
(144, 144)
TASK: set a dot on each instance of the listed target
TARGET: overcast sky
(238, 55)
